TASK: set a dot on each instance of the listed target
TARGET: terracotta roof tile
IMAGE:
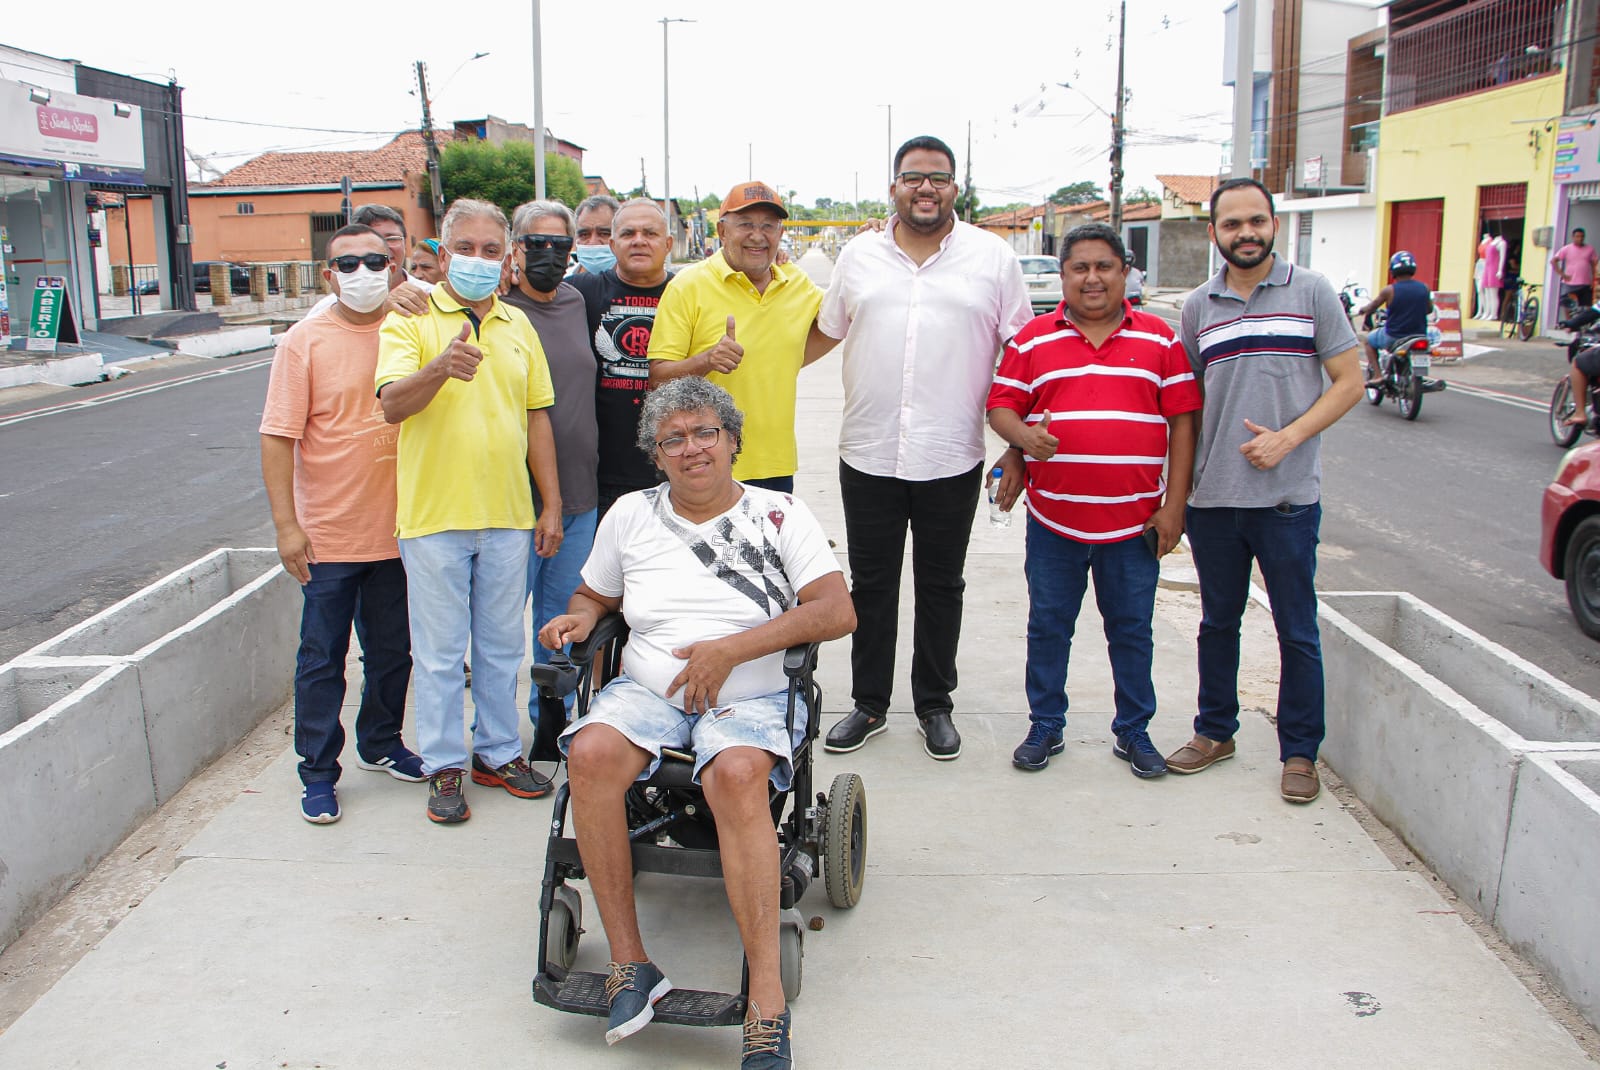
(406, 154)
(1191, 189)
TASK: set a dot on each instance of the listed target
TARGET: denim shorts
(650, 723)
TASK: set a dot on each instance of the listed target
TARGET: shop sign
(52, 315)
(1577, 149)
(5, 304)
(68, 128)
(1448, 306)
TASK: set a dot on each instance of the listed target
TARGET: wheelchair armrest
(609, 627)
(800, 658)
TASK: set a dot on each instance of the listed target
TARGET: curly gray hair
(689, 393)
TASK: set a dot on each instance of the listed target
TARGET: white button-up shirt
(920, 343)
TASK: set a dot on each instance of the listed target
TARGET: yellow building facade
(1454, 167)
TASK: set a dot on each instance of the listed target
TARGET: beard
(1232, 256)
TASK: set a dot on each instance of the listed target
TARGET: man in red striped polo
(1100, 398)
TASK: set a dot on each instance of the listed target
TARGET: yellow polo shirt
(463, 460)
(772, 327)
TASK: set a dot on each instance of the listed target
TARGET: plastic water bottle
(998, 517)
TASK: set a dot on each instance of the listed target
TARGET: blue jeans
(1125, 575)
(551, 581)
(372, 596)
(461, 584)
(1282, 541)
(782, 484)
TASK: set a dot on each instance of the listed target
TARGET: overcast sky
(799, 87)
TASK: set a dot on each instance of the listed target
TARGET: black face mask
(545, 268)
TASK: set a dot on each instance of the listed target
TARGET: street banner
(5, 303)
(1448, 306)
(52, 315)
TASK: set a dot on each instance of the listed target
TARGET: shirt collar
(1282, 271)
(781, 273)
(1062, 319)
(445, 301)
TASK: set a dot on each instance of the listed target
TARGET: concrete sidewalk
(1075, 917)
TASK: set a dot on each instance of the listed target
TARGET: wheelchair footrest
(585, 993)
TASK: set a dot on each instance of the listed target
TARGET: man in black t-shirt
(621, 304)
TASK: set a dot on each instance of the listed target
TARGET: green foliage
(1141, 195)
(1084, 192)
(967, 203)
(504, 175)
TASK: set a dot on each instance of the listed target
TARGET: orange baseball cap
(746, 194)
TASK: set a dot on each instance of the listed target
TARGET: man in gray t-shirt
(1260, 335)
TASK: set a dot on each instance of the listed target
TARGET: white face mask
(364, 290)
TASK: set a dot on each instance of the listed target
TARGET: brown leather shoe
(1300, 781)
(1199, 753)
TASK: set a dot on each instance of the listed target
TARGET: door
(1418, 228)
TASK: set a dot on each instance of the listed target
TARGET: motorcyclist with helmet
(1410, 302)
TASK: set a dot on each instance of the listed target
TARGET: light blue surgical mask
(472, 277)
(595, 258)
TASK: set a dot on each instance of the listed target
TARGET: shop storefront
(1577, 179)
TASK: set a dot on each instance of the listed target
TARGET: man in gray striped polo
(1260, 335)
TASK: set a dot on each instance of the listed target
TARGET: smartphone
(1152, 539)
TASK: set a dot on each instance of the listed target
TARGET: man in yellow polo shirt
(467, 382)
(743, 321)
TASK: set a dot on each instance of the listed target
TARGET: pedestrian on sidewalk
(1575, 263)
(1261, 335)
(327, 459)
(923, 308)
(468, 384)
(1099, 397)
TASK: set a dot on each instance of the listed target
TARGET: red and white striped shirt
(1109, 408)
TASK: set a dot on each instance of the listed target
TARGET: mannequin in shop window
(1480, 296)
(1494, 261)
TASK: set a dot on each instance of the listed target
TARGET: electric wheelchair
(672, 831)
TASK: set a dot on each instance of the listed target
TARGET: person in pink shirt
(1575, 262)
(328, 461)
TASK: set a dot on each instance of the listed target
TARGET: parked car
(1043, 276)
(151, 286)
(238, 277)
(1569, 533)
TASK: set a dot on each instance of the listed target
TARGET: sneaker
(1034, 752)
(446, 804)
(320, 803)
(1300, 782)
(766, 1042)
(850, 733)
(632, 990)
(939, 736)
(1199, 753)
(399, 763)
(516, 776)
(1141, 755)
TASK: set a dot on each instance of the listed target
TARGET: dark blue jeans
(372, 596)
(1282, 541)
(783, 484)
(1125, 575)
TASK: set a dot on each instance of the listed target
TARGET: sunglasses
(345, 265)
(535, 242)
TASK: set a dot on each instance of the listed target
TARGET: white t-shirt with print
(681, 583)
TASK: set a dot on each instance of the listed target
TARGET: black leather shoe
(939, 736)
(850, 733)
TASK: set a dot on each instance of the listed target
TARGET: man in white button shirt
(923, 309)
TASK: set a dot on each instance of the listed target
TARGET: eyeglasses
(586, 233)
(747, 226)
(345, 265)
(704, 438)
(534, 242)
(936, 179)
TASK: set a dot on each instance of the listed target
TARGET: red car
(1569, 533)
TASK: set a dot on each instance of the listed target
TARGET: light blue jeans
(551, 581)
(463, 584)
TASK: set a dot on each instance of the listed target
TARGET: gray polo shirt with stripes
(1260, 360)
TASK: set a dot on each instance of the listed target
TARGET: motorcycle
(1586, 327)
(1404, 364)
(1352, 297)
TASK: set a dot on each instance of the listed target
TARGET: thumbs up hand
(1038, 441)
(460, 358)
(726, 354)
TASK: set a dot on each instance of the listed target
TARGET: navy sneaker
(399, 763)
(320, 803)
(1034, 752)
(633, 989)
(766, 1042)
(1141, 755)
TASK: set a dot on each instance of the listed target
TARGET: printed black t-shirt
(620, 319)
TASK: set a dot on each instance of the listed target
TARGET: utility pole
(538, 107)
(966, 187)
(1244, 82)
(666, 137)
(433, 147)
(888, 139)
(1116, 126)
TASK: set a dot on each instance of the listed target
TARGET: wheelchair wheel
(563, 928)
(791, 951)
(845, 840)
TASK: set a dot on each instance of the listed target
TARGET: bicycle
(1519, 314)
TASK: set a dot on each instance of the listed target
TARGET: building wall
(1343, 233)
(1183, 257)
(280, 226)
(1324, 37)
(1448, 150)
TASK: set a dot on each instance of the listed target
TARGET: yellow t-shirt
(463, 460)
(772, 327)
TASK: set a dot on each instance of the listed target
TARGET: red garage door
(1418, 226)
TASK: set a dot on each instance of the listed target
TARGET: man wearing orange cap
(742, 320)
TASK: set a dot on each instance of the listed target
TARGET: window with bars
(244, 208)
(1468, 48)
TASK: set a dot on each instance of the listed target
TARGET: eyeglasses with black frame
(533, 243)
(346, 265)
(704, 438)
(936, 179)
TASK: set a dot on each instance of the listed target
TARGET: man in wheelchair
(715, 579)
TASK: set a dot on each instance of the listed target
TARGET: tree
(503, 175)
(967, 203)
(1141, 195)
(1084, 192)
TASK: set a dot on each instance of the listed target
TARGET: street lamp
(888, 138)
(666, 137)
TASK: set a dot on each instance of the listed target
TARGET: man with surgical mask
(593, 220)
(542, 240)
(407, 292)
(468, 384)
(328, 461)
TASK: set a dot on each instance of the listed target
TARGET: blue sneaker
(633, 989)
(399, 763)
(766, 1042)
(1034, 752)
(1141, 755)
(320, 803)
